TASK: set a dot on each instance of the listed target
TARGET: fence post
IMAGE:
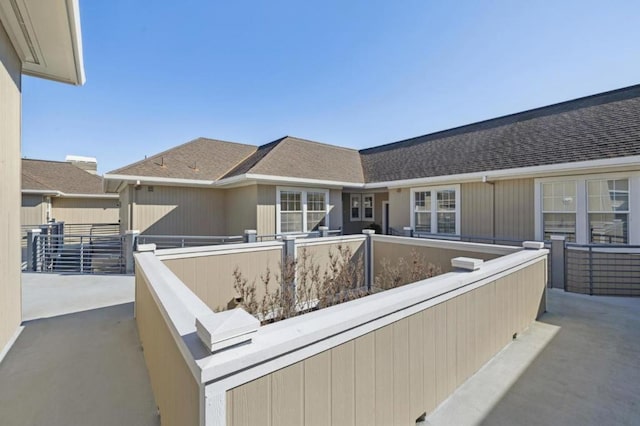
(408, 232)
(250, 236)
(130, 243)
(368, 257)
(557, 261)
(32, 249)
(324, 231)
(590, 271)
(289, 248)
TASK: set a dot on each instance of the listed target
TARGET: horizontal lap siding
(394, 374)
(176, 392)
(211, 277)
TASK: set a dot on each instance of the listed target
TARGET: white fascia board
(76, 40)
(65, 195)
(145, 180)
(287, 180)
(520, 172)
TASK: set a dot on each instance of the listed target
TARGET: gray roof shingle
(300, 158)
(42, 175)
(606, 125)
(201, 159)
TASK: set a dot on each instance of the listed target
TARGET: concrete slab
(85, 368)
(587, 374)
(49, 295)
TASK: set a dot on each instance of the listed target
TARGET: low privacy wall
(174, 383)
(386, 358)
(208, 271)
(319, 249)
(402, 368)
(437, 252)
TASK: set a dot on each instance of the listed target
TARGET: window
(608, 211)
(559, 209)
(362, 207)
(436, 210)
(301, 210)
(290, 211)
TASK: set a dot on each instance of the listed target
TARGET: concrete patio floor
(578, 366)
(80, 362)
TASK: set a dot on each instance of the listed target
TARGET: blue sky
(350, 73)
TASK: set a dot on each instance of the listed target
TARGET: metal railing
(602, 269)
(92, 228)
(181, 241)
(85, 254)
(470, 238)
(311, 234)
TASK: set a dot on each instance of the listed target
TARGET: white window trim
(304, 192)
(434, 205)
(360, 196)
(582, 210)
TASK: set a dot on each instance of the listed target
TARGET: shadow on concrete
(85, 368)
(578, 366)
(588, 375)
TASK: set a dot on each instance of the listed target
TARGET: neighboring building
(64, 192)
(571, 168)
(42, 39)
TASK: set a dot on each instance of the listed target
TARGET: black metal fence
(181, 241)
(602, 269)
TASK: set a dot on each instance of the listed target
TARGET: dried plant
(301, 287)
(402, 272)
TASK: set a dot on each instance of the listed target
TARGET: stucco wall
(10, 176)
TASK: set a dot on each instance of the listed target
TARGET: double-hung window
(301, 210)
(436, 210)
(608, 209)
(559, 209)
(362, 206)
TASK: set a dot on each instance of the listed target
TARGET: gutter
(483, 176)
(66, 195)
(73, 12)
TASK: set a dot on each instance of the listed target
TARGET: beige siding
(515, 209)
(175, 389)
(319, 254)
(33, 210)
(10, 175)
(211, 277)
(125, 209)
(399, 208)
(266, 222)
(476, 209)
(394, 374)
(178, 211)
(85, 210)
(440, 257)
(241, 209)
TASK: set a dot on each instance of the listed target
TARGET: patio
(85, 367)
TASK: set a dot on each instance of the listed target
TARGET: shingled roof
(300, 158)
(48, 176)
(201, 159)
(601, 126)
